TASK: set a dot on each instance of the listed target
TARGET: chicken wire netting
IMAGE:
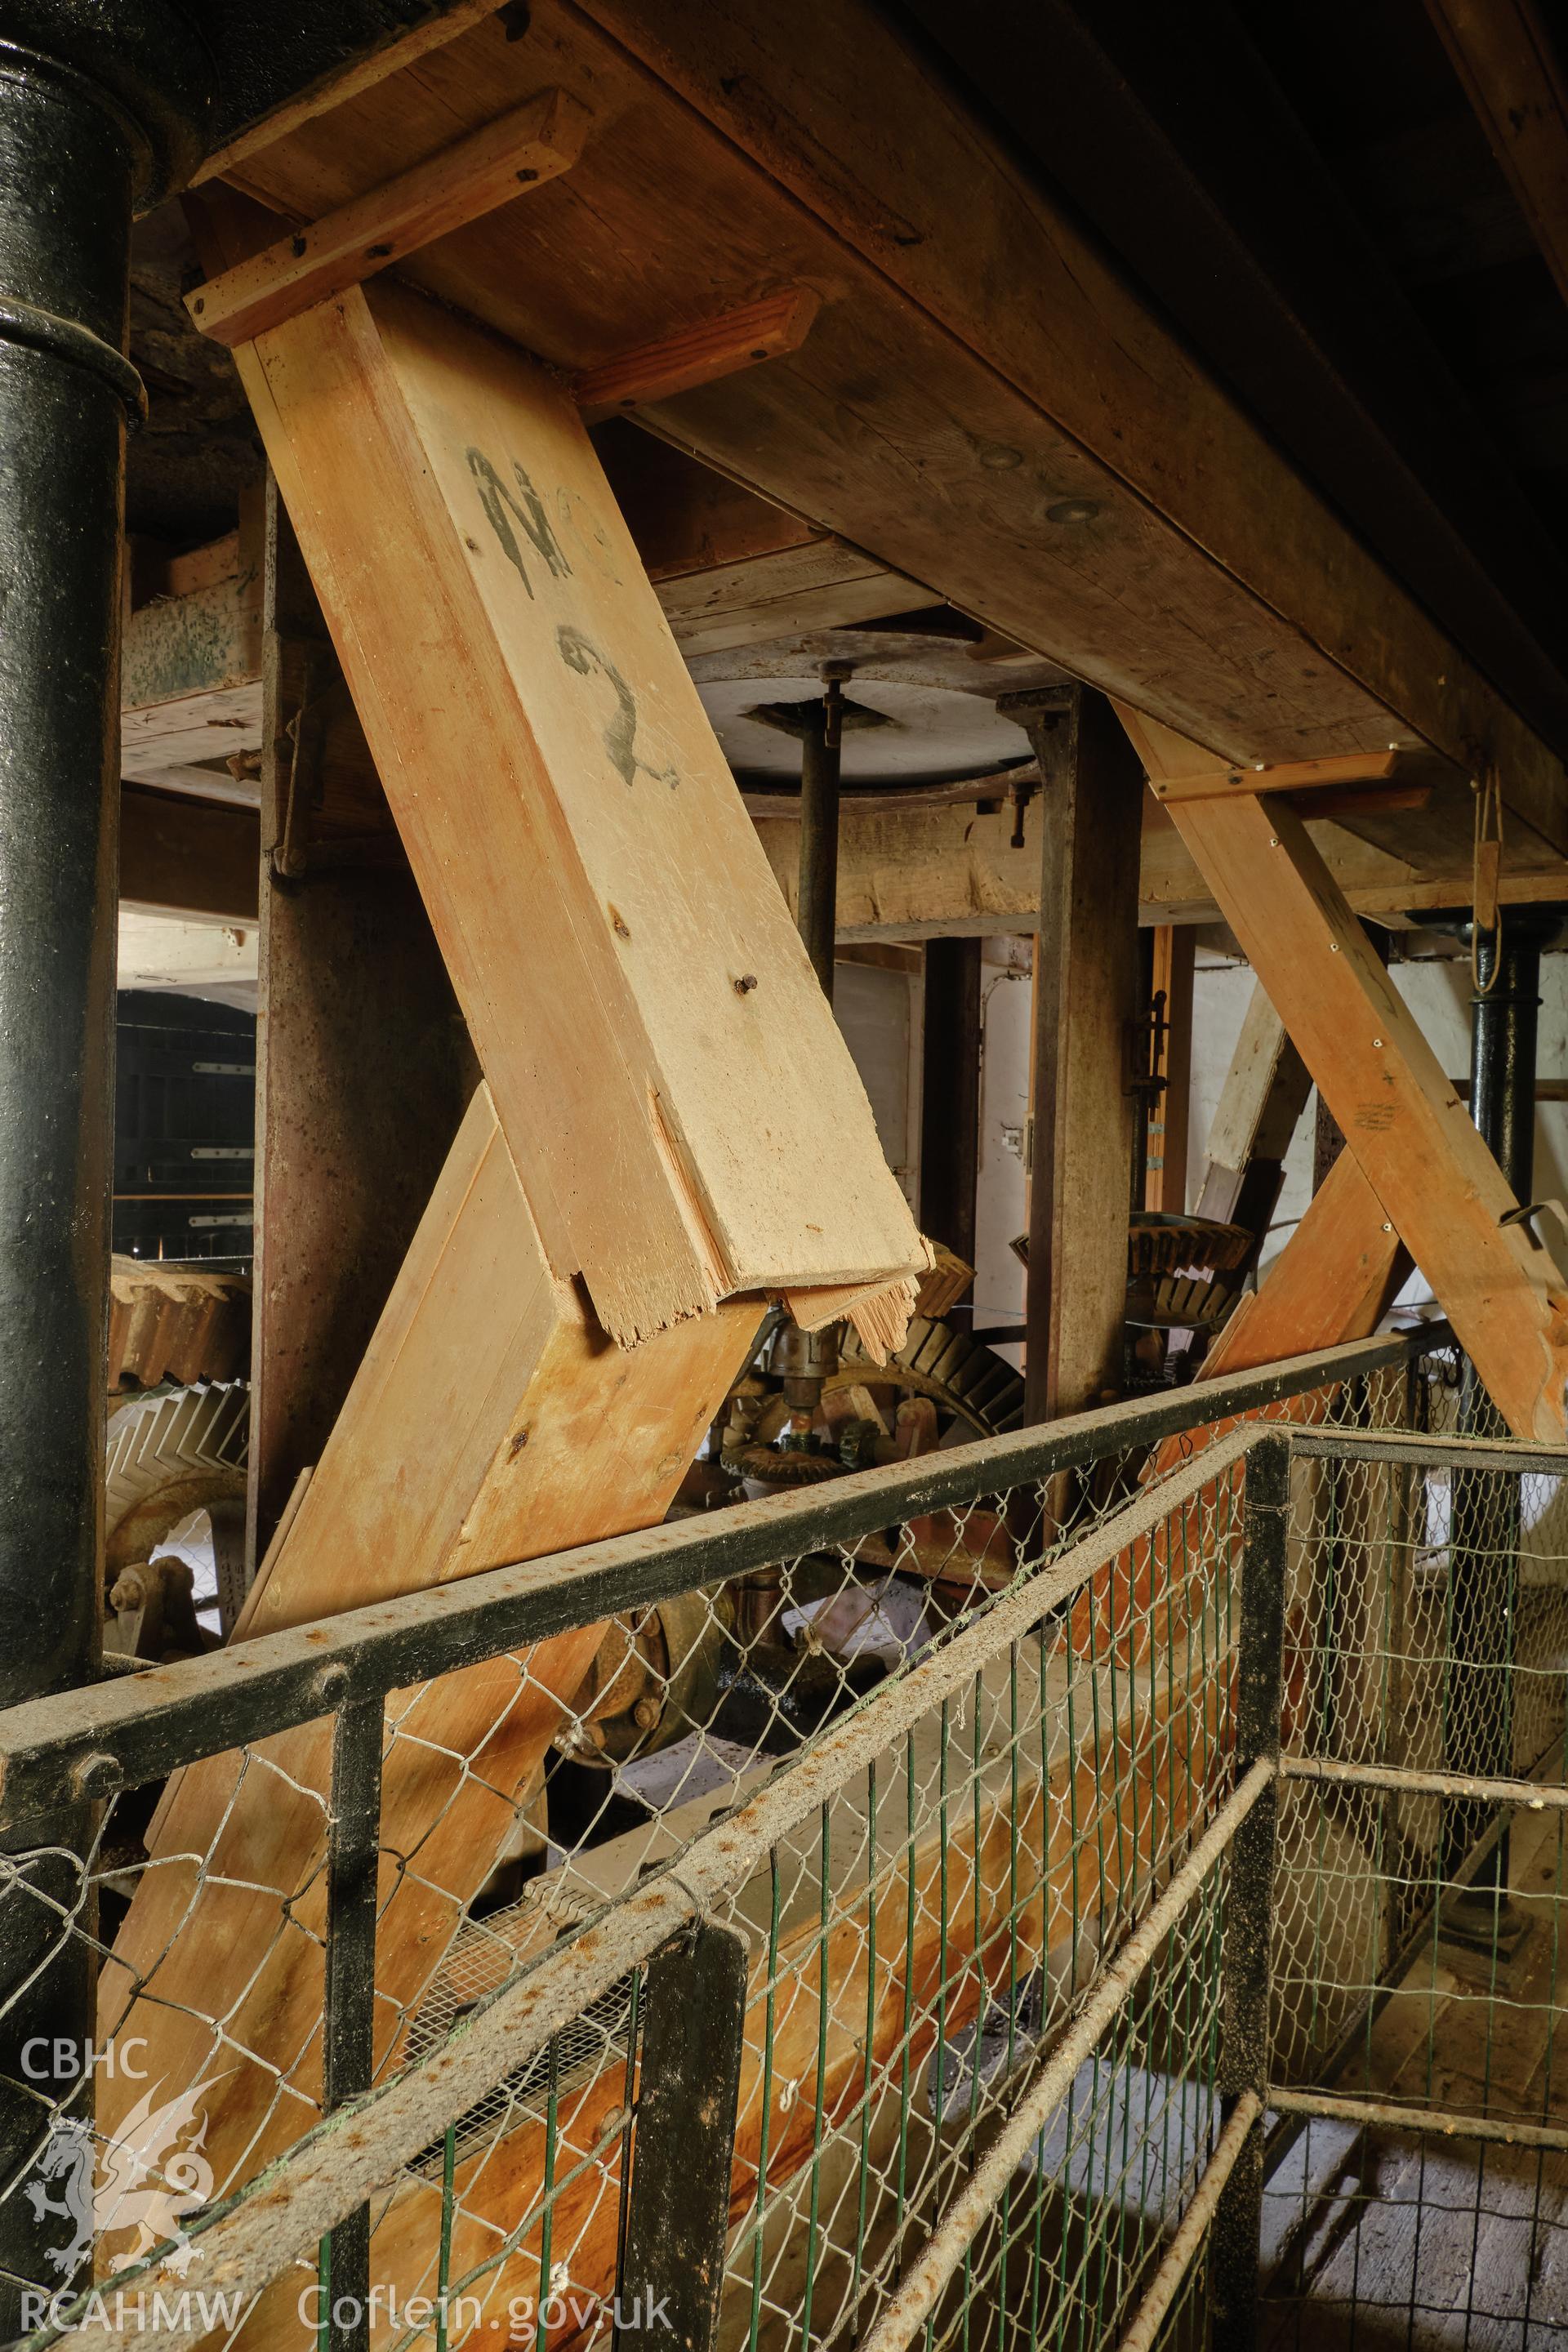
(1419, 2193)
(941, 1916)
(1429, 2207)
(1427, 1627)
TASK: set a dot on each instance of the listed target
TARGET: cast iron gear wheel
(172, 1452)
(947, 1363)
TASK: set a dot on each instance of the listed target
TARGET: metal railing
(1417, 2155)
(702, 1923)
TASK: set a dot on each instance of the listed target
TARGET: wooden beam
(948, 870)
(1264, 1095)
(682, 515)
(185, 857)
(518, 152)
(1166, 1188)
(604, 809)
(353, 76)
(491, 1419)
(1437, 1181)
(1211, 783)
(1506, 60)
(697, 355)
(925, 396)
(207, 742)
(200, 630)
(1330, 1284)
(1086, 990)
(823, 584)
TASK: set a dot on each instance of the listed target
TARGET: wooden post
(1264, 1095)
(1176, 946)
(1086, 984)
(816, 908)
(949, 1094)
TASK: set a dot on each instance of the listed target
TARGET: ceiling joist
(1062, 467)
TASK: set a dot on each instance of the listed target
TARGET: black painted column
(818, 912)
(1503, 1006)
(1484, 1506)
(99, 109)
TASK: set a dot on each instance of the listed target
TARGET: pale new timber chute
(1415, 1169)
(655, 1149)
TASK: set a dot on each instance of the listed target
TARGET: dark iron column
(949, 1094)
(1484, 1506)
(1503, 1007)
(816, 913)
(98, 113)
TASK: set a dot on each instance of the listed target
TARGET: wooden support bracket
(1316, 777)
(697, 355)
(519, 151)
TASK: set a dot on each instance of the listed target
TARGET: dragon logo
(147, 2180)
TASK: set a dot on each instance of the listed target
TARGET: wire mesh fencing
(1419, 2182)
(339, 1967)
(1427, 1628)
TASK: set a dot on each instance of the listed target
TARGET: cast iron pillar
(818, 910)
(1484, 1506)
(100, 111)
(1503, 1007)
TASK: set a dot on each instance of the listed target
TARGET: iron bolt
(95, 1776)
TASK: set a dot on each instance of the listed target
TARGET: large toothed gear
(170, 1453)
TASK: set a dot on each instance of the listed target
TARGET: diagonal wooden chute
(592, 878)
(491, 1419)
(1439, 1186)
(1264, 1095)
(670, 1126)
(1330, 1284)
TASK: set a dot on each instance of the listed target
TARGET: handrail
(118, 1733)
(254, 2236)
